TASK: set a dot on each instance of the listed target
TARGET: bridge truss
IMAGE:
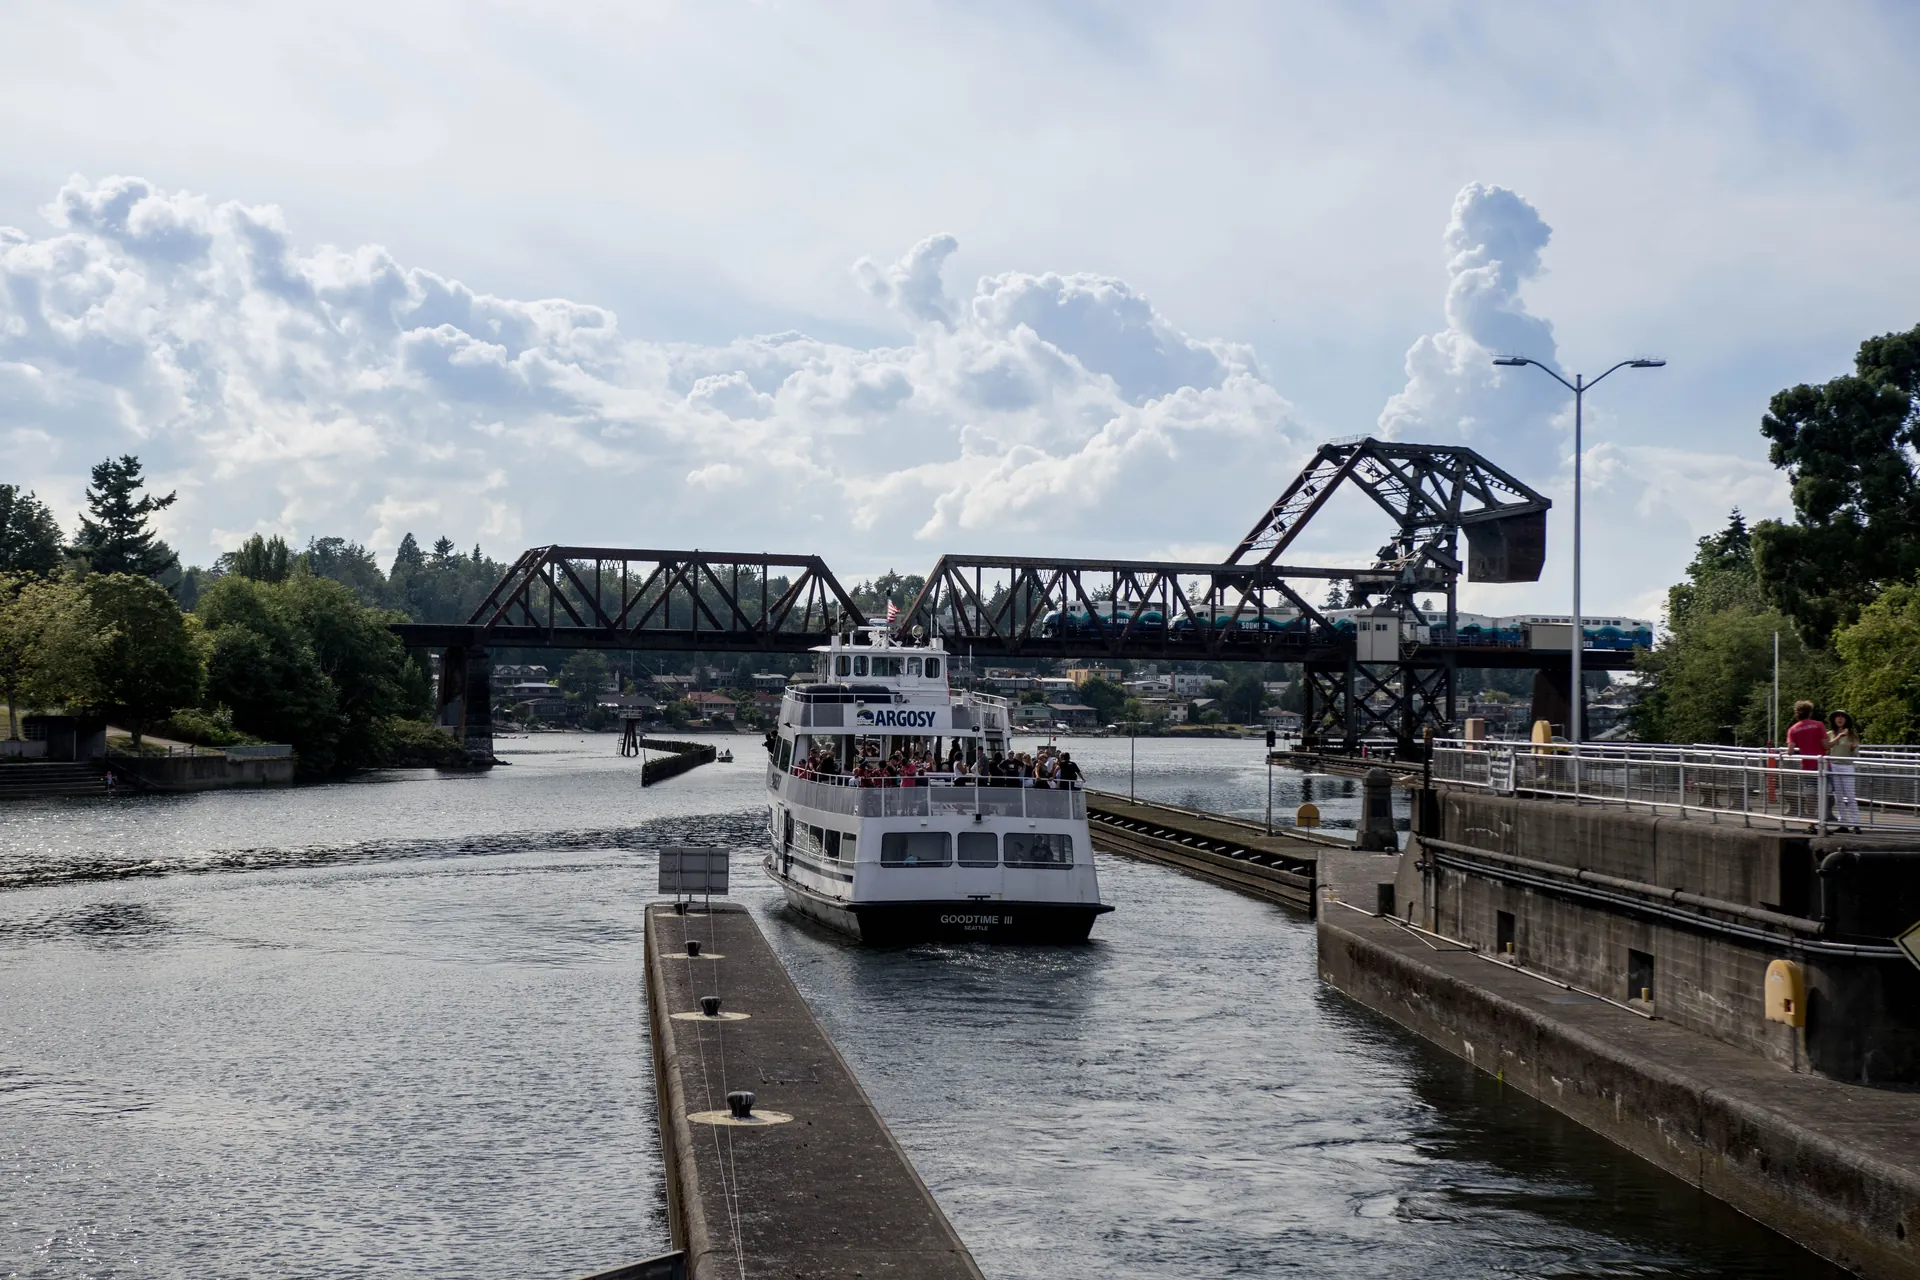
(621, 598)
(1249, 609)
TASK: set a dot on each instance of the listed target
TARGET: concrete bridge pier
(465, 703)
(1553, 700)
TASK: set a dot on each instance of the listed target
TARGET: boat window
(859, 664)
(1033, 849)
(786, 837)
(843, 665)
(816, 840)
(786, 753)
(913, 666)
(848, 841)
(916, 849)
(887, 666)
(933, 668)
(979, 849)
(833, 845)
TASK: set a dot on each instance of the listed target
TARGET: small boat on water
(931, 854)
(725, 756)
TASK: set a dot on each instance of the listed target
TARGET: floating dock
(809, 1182)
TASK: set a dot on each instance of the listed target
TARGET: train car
(1187, 627)
(1596, 633)
(1105, 618)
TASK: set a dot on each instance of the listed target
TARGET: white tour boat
(935, 855)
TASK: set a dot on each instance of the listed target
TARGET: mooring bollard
(693, 947)
(710, 1005)
(740, 1103)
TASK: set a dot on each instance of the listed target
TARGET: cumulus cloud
(1646, 504)
(312, 389)
(1454, 394)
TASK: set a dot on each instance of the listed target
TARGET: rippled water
(395, 1028)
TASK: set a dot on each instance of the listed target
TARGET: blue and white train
(1506, 631)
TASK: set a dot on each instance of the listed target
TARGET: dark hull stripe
(966, 920)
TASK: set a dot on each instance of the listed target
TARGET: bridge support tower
(1349, 702)
(465, 702)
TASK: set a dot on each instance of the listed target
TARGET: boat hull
(903, 923)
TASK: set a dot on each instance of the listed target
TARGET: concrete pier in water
(811, 1183)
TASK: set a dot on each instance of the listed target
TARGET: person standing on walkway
(1808, 738)
(1843, 744)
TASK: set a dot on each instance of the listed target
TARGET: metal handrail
(1879, 791)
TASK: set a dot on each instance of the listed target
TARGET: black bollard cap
(710, 1005)
(693, 946)
(741, 1104)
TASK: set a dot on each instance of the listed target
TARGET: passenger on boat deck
(1069, 771)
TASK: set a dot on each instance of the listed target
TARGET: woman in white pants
(1843, 744)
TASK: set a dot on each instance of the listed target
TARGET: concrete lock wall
(1863, 1015)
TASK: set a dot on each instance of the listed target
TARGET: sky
(885, 281)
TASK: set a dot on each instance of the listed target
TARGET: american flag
(893, 613)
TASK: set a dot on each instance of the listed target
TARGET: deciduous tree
(48, 639)
(148, 662)
(1879, 683)
(1710, 679)
(1848, 448)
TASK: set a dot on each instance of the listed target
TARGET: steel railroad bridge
(1373, 681)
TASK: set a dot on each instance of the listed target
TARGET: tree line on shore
(266, 645)
(1838, 585)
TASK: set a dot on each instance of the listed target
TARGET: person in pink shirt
(1808, 738)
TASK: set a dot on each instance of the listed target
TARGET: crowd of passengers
(916, 766)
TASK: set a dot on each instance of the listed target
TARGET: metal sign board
(699, 868)
(1909, 942)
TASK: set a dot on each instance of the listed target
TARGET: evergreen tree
(347, 563)
(115, 538)
(407, 561)
(29, 535)
(262, 559)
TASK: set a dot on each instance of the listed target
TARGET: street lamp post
(1579, 386)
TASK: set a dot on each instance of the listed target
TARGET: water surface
(396, 1027)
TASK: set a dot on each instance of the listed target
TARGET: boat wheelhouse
(925, 853)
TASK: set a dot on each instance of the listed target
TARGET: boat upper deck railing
(932, 795)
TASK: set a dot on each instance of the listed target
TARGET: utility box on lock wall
(1786, 993)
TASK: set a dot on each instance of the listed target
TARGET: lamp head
(1512, 361)
(1643, 364)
